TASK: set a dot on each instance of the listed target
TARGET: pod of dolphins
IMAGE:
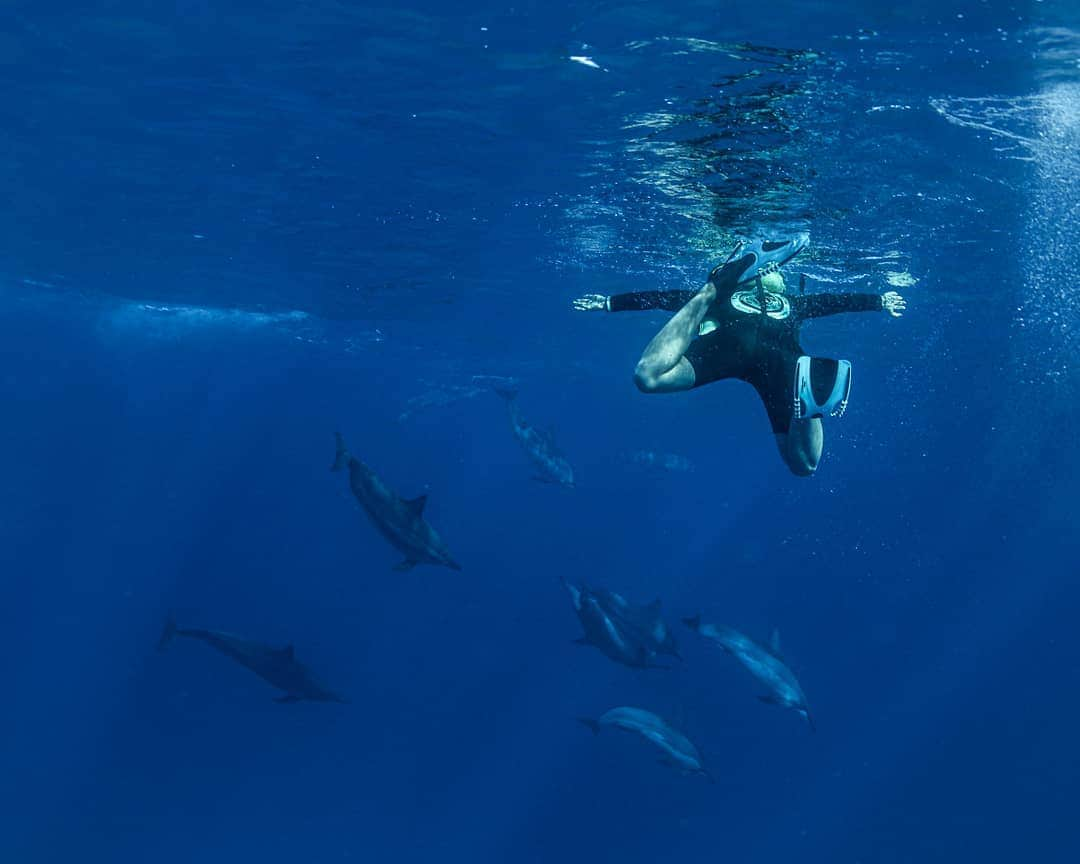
(628, 633)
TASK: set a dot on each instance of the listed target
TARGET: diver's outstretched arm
(636, 301)
(662, 367)
(820, 305)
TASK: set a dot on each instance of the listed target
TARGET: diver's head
(773, 282)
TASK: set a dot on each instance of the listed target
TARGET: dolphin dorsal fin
(288, 653)
(654, 606)
(417, 504)
(774, 642)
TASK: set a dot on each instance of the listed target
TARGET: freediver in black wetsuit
(720, 332)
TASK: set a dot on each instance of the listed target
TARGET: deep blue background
(232, 228)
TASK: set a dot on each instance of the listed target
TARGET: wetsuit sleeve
(820, 305)
(639, 301)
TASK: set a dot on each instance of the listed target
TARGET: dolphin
(766, 663)
(603, 630)
(400, 520)
(679, 751)
(551, 465)
(645, 620)
(655, 460)
(276, 666)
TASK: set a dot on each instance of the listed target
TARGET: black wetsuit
(759, 349)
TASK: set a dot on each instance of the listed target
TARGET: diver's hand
(591, 303)
(893, 303)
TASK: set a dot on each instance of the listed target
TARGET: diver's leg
(800, 439)
(662, 367)
(801, 445)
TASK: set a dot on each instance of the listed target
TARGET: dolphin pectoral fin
(591, 724)
(581, 641)
(417, 504)
(341, 453)
(768, 700)
(406, 565)
(693, 623)
(286, 698)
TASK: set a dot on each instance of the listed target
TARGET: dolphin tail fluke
(508, 392)
(693, 623)
(167, 634)
(341, 454)
(591, 724)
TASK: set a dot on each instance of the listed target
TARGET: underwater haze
(232, 229)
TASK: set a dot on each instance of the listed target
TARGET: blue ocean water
(232, 229)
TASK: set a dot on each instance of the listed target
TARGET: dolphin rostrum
(766, 663)
(551, 465)
(679, 751)
(607, 631)
(400, 520)
(276, 666)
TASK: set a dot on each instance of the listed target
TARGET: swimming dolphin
(399, 520)
(277, 666)
(655, 460)
(645, 620)
(551, 465)
(616, 640)
(679, 751)
(765, 663)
